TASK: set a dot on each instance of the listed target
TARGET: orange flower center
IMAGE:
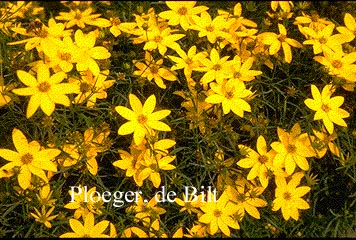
(157, 39)
(325, 108)
(229, 94)
(188, 61)
(262, 159)
(78, 15)
(44, 87)
(115, 21)
(217, 213)
(287, 196)
(154, 69)
(323, 40)
(217, 67)
(282, 37)
(210, 28)
(65, 56)
(182, 11)
(27, 158)
(142, 119)
(315, 17)
(291, 148)
(336, 64)
(85, 87)
(237, 75)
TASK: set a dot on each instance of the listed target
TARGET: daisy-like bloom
(162, 39)
(260, 162)
(350, 26)
(44, 216)
(80, 18)
(190, 206)
(231, 95)
(116, 27)
(152, 69)
(153, 164)
(88, 229)
(4, 97)
(92, 87)
(211, 28)
(45, 91)
(198, 230)
(128, 232)
(85, 202)
(327, 108)
(284, 5)
(324, 39)
(312, 21)
(142, 119)
(215, 67)
(87, 53)
(289, 196)
(276, 41)
(218, 215)
(324, 141)
(242, 71)
(246, 200)
(339, 64)
(181, 13)
(30, 159)
(187, 61)
(45, 196)
(292, 150)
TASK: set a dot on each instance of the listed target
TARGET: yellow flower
(212, 29)
(142, 119)
(91, 87)
(260, 162)
(292, 150)
(190, 205)
(312, 21)
(350, 26)
(284, 5)
(181, 13)
(242, 71)
(327, 108)
(339, 64)
(288, 196)
(231, 95)
(323, 40)
(30, 158)
(4, 97)
(87, 53)
(218, 214)
(88, 229)
(85, 202)
(80, 18)
(153, 70)
(324, 141)
(44, 216)
(281, 40)
(45, 196)
(128, 232)
(45, 91)
(215, 68)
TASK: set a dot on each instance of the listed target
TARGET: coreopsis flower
(128, 232)
(80, 18)
(85, 202)
(215, 67)
(260, 162)
(87, 53)
(289, 196)
(218, 215)
(339, 64)
(292, 149)
(142, 119)
(187, 61)
(284, 5)
(327, 108)
(190, 205)
(211, 28)
(45, 196)
(44, 216)
(117, 26)
(181, 13)
(231, 95)
(276, 41)
(324, 141)
(45, 91)
(4, 97)
(350, 26)
(29, 158)
(241, 71)
(313, 21)
(92, 87)
(162, 39)
(88, 229)
(151, 69)
(246, 200)
(198, 230)
(324, 39)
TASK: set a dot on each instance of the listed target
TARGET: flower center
(44, 87)
(314, 17)
(282, 37)
(188, 61)
(336, 64)
(142, 119)
(325, 108)
(78, 15)
(154, 69)
(85, 87)
(115, 21)
(287, 196)
(157, 39)
(217, 213)
(237, 75)
(262, 159)
(182, 11)
(323, 40)
(229, 94)
(65, 56)
(217, 67)
(291, 148)
(27, 158)
(210, 28)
